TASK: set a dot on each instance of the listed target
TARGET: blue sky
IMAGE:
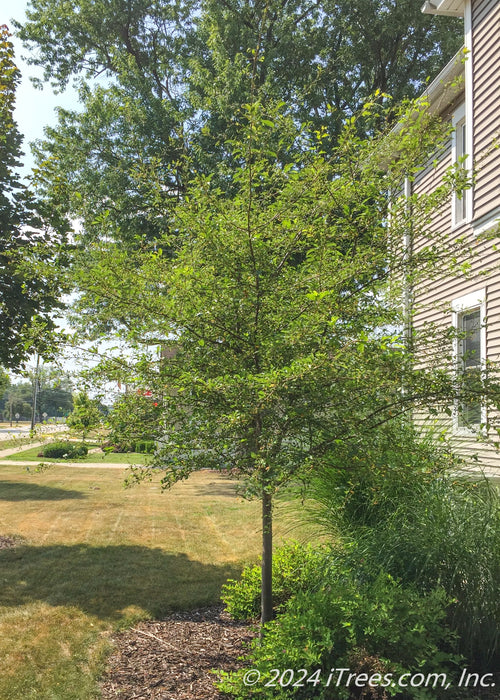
(35, 108)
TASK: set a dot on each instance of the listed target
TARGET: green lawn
(125, 458)
(96, 557)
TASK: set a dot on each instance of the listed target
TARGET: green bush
(374, 628)
(64, 450)
(145, 446)
(400, 502)
(296, 567)
(118, 447)
(449, 534)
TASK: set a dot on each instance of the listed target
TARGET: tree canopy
(234, 214)
(28, 288)
(162, 84)
(54, 395)
(278, 310)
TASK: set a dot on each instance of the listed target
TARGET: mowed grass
(95, 557)
(32, 455)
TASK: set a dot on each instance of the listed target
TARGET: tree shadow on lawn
(20, 491)
(217, 488)
(104, 581)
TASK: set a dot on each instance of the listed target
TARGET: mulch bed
(172, 659)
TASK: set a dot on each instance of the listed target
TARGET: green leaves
(85, 415)
(178, 82)
(272, 306)
(29, 285)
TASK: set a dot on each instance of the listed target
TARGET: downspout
(407, 295)
(469, 102)
(407, 259)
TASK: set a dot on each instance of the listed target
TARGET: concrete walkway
(21, 448)
(79, 465)
(34, 464)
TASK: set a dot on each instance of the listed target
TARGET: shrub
(376, 628)
(118, 447)
(64, 450)
(449, 533)
(402, 505)
(295, 568)
(145, 446)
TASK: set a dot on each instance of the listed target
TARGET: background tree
(18, 399)
(323, 59)
(85, 416)
(28, 288)
(135, 417)
(4, 384)
(175, 76)
(54, 395)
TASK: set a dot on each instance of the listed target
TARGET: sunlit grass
(96, 557)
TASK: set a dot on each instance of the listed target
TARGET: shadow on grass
(217, 488)
(20, 491)
(104, 581)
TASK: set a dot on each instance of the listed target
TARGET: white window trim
(460, 118)
(469, 302)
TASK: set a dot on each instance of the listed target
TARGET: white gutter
(448, 84)
(445, 87)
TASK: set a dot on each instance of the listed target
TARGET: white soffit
(452, 8)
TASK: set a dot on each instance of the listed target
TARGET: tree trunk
(267, 558)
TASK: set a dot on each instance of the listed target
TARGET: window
(469, 413)
(470, 357)
(460, 204)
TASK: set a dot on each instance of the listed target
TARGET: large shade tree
(28, 289)
(162, 82)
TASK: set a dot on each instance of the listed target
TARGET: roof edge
(449, 8)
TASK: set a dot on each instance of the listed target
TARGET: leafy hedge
(64, 450)
(140, 446)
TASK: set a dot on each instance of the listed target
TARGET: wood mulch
(173, 659)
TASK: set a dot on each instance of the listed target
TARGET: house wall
(486, 104)
(433, 299)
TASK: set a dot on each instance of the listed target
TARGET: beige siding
(433, 297)
(486, 87)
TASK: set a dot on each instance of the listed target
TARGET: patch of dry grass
(95, 557)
